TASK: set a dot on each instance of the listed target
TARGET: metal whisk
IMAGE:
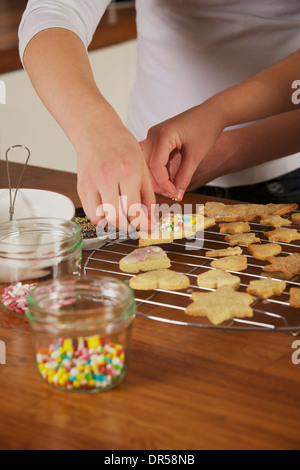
(11, 197)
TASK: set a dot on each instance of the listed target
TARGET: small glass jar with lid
(81, 330)
(32, 251)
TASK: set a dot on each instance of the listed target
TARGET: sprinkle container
(81, 329)
(32, 251)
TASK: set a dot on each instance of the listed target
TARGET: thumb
(184, 175)
(157, 157)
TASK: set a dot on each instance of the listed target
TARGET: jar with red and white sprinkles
(31, 251)
(81, 330)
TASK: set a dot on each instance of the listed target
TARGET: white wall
(24, 120)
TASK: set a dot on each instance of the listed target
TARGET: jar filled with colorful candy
(81, 330)
(32, 251)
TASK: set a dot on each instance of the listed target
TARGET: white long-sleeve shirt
(188, 50)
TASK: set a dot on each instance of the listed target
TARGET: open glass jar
(32, 251)
(81, 329)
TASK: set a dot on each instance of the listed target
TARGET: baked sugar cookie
(296, 218)
(288, 265)
(244, 239)
(245, 212)
(216, 278)
(221, 305)
(264, 251)
(160, 279)
(174, 227)
(275, 221)
(235, 227)
(295, 297)
(231, 263)
(145, 259)
(225, 252)
(284, 235)
(266, 288)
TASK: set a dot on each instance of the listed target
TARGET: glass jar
(32, 251)
(81, 329)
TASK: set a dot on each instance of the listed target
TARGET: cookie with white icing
(173, 227)
(149, 258)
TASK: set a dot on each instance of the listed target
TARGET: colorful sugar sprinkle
(173, 222)
(88, 229)
(81, 364)
(14, 298)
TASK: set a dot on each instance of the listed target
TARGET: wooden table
(186, 388)
(117, 25)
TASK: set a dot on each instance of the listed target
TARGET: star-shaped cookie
(223, 304)
(284, 235)
(289, 265)
(244, 239)
(275, 221)
(215, 278)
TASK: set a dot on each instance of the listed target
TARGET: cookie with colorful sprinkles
(174, 227)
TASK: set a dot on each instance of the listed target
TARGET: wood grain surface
(117, 25)
(186, 388)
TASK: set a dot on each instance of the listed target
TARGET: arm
(195, 132)
(237, 149)
(264, 95)
(110, 162)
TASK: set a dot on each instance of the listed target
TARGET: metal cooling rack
(274, 314)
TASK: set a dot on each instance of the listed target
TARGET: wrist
(94, 125)
(219, 107)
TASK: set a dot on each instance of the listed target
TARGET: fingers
(147, 155)
(122, 195)
(148, 202)
(114, 206)
(157, 153)
(185, 172)
(174, 148)
(139, 199)
(91, 202)
(174, 164)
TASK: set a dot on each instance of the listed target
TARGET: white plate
(36, 203)
(90, 244)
